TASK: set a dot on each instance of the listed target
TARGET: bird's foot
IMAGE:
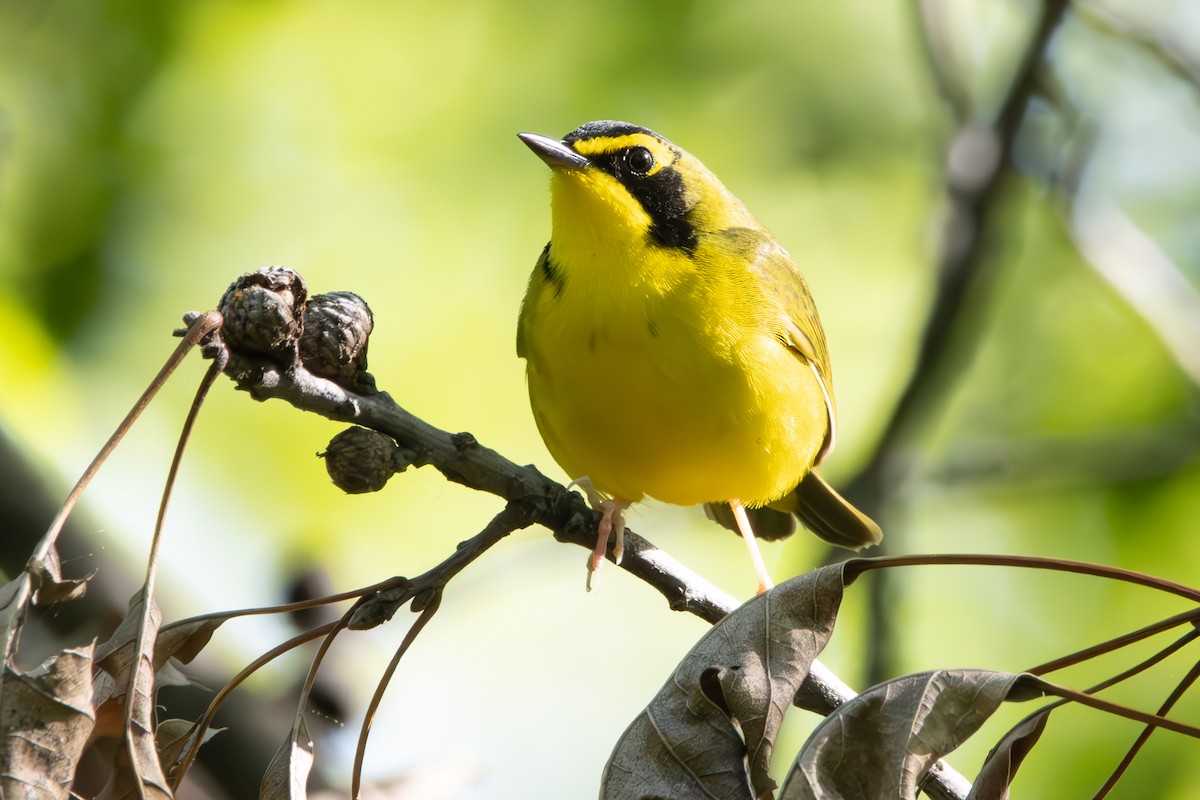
(612, 524)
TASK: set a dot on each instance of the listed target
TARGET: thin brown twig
(1136, 669)
(1116, 643)
(856, 566)
(202, 725)
(360, 749)
(1091, 701)
(1176, 694)
(199, 327)
(283, 608)
(1146, 663)
(134, 705)
(318, 658)
(380, 607)
(377, 603)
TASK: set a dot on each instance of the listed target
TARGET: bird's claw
(612, 523)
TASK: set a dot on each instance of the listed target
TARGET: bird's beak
(556, 154)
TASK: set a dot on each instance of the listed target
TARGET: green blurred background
(151, 152)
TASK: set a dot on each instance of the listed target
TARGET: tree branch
(532, 499)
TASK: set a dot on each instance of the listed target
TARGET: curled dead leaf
(882, 742)
(710, 730)
(176, 738)
(1002, 763)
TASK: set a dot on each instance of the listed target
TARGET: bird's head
(614, 180)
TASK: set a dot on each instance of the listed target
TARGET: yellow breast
(670, 380)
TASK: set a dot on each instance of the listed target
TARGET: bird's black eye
(639, 160)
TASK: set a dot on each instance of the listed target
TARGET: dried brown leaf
(286, 777)
(1002, 763)
(175, 739)
(139, 774)
(10, 612)
(125, 784)
(171, 733)
(710, 730)
(115, 654)
(141, 733)
(8, 595)
(881, 743)
(169, 674)
(41, 582)
(50, 586)
(45, 719)
(110, 710)
(185, 640)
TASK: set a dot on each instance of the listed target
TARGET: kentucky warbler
(672, 347)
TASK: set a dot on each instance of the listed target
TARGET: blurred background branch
(976, 162)
(1137, 268)
(1170, 47)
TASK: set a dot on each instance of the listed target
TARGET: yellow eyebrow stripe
(606, 144)
(664, 154)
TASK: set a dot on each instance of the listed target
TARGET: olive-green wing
(784, 282)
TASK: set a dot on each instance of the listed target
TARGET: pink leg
(743, 523)
(612, 520)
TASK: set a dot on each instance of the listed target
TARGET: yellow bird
(672, 347)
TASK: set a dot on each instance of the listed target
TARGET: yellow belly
(676, 413)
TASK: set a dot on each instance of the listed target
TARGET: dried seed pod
(361, 460)
(263, 312)
(333, 345)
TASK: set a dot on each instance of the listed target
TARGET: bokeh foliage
(150, 152)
